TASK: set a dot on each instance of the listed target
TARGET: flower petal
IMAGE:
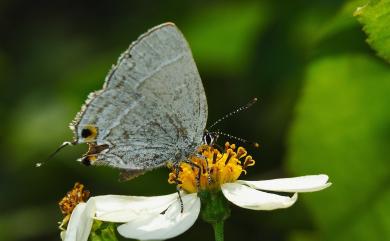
(86, 221)
(246, 197)
(310, 183)
(63, 235)
(165, 225)
(71, 231)
(80, 223)
(116, 208)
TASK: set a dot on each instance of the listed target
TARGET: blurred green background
(324, 91)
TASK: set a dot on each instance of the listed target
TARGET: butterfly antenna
(242, 108)
(242, 140)
(66, 143)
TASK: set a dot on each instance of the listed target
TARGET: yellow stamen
(241, 152)
(248, 163)
(70, 201)
(216, 168)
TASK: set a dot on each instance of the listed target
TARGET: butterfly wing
(152, 105)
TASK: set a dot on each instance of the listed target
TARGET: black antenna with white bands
(242, 108)
(242, 140)
(66, 143)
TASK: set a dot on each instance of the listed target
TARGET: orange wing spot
(92, 155)
(89, 133)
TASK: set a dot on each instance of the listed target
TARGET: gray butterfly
(152, 109)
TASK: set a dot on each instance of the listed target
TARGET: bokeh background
(324, 106)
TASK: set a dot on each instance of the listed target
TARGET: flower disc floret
(215, 167)
(71, 200)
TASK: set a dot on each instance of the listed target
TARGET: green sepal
(103, 231)
(215, 207)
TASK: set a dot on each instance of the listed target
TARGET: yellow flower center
(72, 198)
(215, 168)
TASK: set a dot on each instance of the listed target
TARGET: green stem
(215, 210)
(218, 231)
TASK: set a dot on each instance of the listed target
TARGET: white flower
(147, 218)
(160, 217)
(248, 194)
(80, 223)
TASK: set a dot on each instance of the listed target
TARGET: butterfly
(152, 109)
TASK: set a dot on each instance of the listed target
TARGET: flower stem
(218, 231)
(215, 210)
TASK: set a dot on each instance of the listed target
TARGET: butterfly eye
(89, 133)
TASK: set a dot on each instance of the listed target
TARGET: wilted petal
(116, 208)
(166, 225)
(250, 198)
(309, 183)
(80, 223)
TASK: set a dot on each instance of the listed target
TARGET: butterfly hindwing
(152, 107)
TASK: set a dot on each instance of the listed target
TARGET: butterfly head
(209, 138)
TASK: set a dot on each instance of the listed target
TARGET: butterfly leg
(207, 167)
(193, 165)
(177, 170)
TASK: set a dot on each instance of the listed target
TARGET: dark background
(323, 108)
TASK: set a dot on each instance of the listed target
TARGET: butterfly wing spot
(85, 133)
(89, 133)
(92, 155)
(88, 160)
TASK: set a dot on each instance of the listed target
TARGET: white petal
(80, 223)
(86, 221)
(71, 231)
(166, 225)
(246, 197)
(63, 235)
(116, 208)
(309, 183)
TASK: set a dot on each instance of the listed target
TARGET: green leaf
(339, 22)
(342, 128)
(375, 17)
(103, 231)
